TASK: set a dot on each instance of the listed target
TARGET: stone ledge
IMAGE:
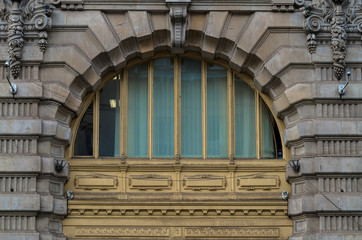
(15, 164)
(19, 236)
(20, 127)
(19, 202)
(329, 202)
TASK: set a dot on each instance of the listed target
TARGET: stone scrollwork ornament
(21, 16)
(334, 17)
(178, 15)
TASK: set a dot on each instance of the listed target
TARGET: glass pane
(245, 135)
(217, 132)
(191, 131)
(137, 115)
(84, 141)
(109, 119)
(163, 95)
(268, 133)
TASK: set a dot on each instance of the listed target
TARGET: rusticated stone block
(19, 202)
(13, 164)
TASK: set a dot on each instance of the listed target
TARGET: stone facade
(275, 42)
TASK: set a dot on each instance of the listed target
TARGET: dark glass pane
(268, 133)
(84, 140)
(109, 119)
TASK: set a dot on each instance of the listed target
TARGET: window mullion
(231, 108)
(177, 106)
(150, 109)
(258, 126)
(96, 125)
(204, 108)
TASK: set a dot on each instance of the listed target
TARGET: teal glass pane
(137, 115)
(245, 133)
(84, 140)
(109, 119)
(217, 132)
(163, 108)
(191, 125)
(267, 133)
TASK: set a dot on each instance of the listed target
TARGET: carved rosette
(336, 17)
(20, 16)
(178, 15)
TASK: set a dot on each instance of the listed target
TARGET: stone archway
(85, 46)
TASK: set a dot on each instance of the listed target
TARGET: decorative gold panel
(150, 181)
(258, 182)
(204, 182)
(95, 181)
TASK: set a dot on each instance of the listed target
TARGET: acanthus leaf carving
(20, 16)
(336, 17)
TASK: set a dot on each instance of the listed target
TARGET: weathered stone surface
(12, 164)
(20, 202)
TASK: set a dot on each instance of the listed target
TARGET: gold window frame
(94, 97)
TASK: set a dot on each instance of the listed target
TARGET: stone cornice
(197, 5)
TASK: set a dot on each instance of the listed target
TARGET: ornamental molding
(337, 18)
(231, 232)
(178, 15)
(20, 16)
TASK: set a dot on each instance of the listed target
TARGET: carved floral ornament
(335, 17)
(20, 16)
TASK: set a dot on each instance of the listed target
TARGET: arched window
(178, 108)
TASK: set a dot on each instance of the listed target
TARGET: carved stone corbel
(334, 17)
(20, 16)
(178, 15)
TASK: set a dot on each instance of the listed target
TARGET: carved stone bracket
(178, 15)
(335, 17)
(20, 16)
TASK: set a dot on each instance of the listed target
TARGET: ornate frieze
(231, 232)
(20, 16)
(178, 15)
(335, 17)
(123, 231)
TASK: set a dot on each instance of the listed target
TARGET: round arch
(116, 193)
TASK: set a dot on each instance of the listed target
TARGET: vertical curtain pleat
(163, 108)
(268, 134)
(191, 131)
(109, 119)
(216, 111)
(245, 135)
(137, 115)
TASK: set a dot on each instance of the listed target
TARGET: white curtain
(217, 132)
(191, 125)
(137, 115)
(245, 134)
(163, 108)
